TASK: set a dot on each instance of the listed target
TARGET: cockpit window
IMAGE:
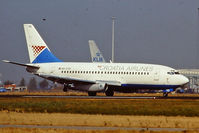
(173, 73)
(177, 73)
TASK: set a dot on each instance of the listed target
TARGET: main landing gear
(109, 92)
(65, 89)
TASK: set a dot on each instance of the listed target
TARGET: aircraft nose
(185, 80)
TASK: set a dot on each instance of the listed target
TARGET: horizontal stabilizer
(21, 64)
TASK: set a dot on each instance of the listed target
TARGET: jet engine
(97, 87)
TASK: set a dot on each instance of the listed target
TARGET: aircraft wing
(68, 80)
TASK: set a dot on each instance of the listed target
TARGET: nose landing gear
(167, 91)
(165, 94)
(65, 89)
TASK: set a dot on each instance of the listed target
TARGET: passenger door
(156, 76)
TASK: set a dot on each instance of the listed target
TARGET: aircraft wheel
(91, 93)
(165, 94)
(65, 89)
(109, 92)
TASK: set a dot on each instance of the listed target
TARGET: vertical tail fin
(96, 55)
(37, 48)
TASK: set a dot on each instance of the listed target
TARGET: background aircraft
(96, 55)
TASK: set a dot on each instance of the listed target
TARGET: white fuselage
(128, 74)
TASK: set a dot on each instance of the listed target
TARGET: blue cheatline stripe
(150, 86)
(45, 57)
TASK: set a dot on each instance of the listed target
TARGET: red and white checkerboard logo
(37, 49)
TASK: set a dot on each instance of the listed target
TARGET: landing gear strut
(65, 89)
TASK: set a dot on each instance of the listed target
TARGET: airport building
(193, 75)
(14, 88)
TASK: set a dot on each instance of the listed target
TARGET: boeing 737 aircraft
(96, 77)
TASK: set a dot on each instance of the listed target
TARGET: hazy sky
(146, 31)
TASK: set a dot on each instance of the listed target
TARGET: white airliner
(96, 77)
(96, 55)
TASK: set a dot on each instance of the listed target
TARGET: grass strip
(166, 107)
(63, 119)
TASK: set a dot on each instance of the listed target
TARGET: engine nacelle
(97, 87)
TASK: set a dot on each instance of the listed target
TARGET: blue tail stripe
(45, 57)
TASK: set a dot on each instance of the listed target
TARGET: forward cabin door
(156, 76)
